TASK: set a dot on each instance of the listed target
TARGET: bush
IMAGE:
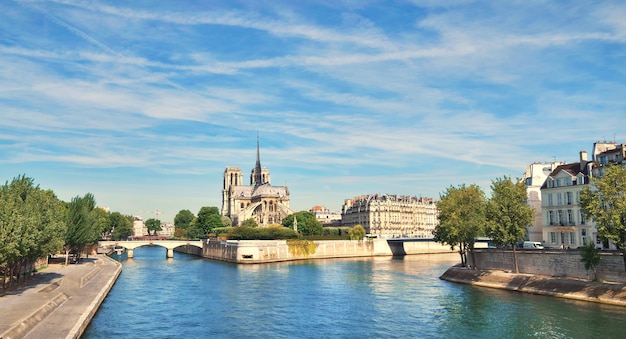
(261, 233)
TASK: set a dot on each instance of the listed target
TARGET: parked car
(532, 245)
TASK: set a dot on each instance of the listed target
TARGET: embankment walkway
(59, 301)
(606, 293)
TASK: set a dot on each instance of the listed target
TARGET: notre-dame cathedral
(260, 200)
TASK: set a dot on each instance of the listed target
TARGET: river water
(191, 297)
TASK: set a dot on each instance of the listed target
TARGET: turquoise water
(190, 297)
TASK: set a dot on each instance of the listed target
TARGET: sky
(144, 103)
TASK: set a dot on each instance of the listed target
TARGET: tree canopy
(32, 225)
(81, 224)
(153, 225)
(250, 222)
(508, 213)
(307, 223)
(605, 202)
(182, 222)
(121, 225)
(357, 232)
(461, 218)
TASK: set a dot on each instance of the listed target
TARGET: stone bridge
(170, 245)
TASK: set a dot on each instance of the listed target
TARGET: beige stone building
(260, 200)
(389, 216)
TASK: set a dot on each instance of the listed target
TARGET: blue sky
(144, 103)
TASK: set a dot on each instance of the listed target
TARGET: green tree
(102, 222)
(153, 225)
(81, 226)
(32, 225)
(307, 223)
(250, 222)
(208, 219)
(357, 232)
(605, 203)
(461, 218)
(591, 258)
(182, 222)
(226, 222)
(508, 214)
(121, 225)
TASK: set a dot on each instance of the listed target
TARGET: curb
(86, 317)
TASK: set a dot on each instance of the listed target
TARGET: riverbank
(606, 293)
(60, 301)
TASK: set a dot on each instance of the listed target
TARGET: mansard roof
(572, 170)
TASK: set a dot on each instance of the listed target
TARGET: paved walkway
(60, 301)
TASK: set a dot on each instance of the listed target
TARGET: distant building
(167, 229)
(326, 216)
(534, 177)
(139, 229)
(260, 200)
(390, 216)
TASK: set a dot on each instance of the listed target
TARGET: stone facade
(265, 203)
(390, 216)
(556, 263)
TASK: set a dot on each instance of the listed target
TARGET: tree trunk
(67, 256)
(515, 259)
(624, 258)
(473, 257)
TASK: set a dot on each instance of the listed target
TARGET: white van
(532, 245)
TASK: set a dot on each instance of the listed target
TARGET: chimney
(583, 160)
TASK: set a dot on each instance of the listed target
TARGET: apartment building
(389, 216)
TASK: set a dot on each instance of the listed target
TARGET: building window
(572, 238)
(568, 198)
(559, 199)
(551, 220)
(553, 237)
(550, 199)
(570, 217)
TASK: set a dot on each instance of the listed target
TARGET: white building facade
(391, 216)
(534, 177)
(565, 225)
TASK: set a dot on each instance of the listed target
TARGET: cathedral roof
(269, 190)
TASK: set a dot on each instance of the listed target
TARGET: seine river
(190, 297)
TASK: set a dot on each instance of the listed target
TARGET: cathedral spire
(258, 176)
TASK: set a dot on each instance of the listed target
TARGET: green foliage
(81, 224)
(102, 222)
(250, 222)
(591, 258)
(182, 222)
(153, 225)
(208, 219)
(226, 222)
(260, 233)
(32, 225)
(121, 225)
(307, 223)
(301, 247)
(508, 213)
(605, 203)
(357, 232)
(461, 218)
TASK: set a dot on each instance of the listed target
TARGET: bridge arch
(169, 245)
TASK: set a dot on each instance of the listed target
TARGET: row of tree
(466, 214)
(209, 221)
(34, 224)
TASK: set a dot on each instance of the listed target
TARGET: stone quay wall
(555, 263)
(261, 251)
